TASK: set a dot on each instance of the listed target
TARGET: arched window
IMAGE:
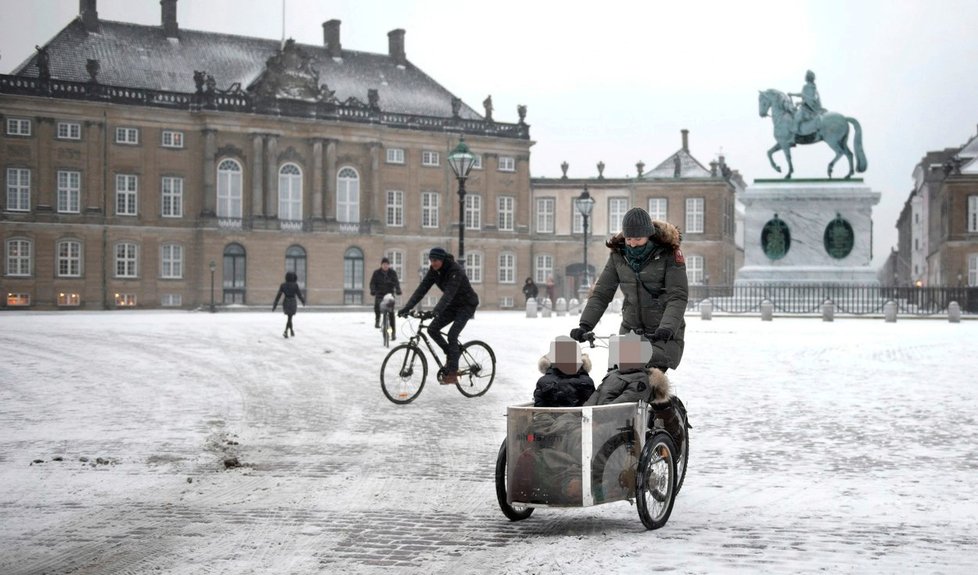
(290, 192)
(348, 196)
(295, 261)
(229, 189)
(353, 276)
(233, 274)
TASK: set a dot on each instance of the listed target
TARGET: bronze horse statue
(831, 128)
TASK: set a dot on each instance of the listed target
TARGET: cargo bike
(584, 456)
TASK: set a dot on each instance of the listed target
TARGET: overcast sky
(618, 83)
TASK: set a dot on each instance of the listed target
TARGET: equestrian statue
(807, 123)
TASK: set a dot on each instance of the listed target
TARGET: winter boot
(672, 417)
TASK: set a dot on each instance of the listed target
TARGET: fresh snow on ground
(831, 447)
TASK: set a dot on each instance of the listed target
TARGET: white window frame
(19, 127)
(577, 220)
(171, 300)
(617, 207)
(659, 209)
(20, 257)
(543, 268)
(473, 267)
(972, 270)
(973, 214)
(18, 299)
(171, 196)
(171, 261)
(69, 254)
(507, 268)
(395, 155)
(127, 136)
(171, 139)
(348, 195)
(126, 194)
(18, 190)
(430, 158)
(695, 269)
(125, 300)
(506, 213)
(545, 215)
(507, 164)
(396, 258)
(473, 212)
(69, 299)
(69, 130)
(695, 216)
(290, 192)
(126, 260)
(395, 208)
(229, 189)
(69, 191)
(476, 161)
(430, 203)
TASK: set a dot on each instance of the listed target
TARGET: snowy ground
(849, 446)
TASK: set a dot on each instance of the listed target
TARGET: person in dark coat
(565, 381)
(289, 289)
(456, 306)
(384, 281)
(530, 289)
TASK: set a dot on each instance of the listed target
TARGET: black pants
(377, 310)
(458, 317)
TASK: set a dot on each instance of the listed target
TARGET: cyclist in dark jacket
(383, 282)
(289, 289)
(456, 306)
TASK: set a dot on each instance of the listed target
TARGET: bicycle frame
(420, 335)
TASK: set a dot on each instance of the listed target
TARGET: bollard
(573, 306)
(531, 307)
(954, 312)
(828, 310)
(547, 304)
(615, 305)
(561, 307)
(767, 310)
(889, 311)
(706, 310)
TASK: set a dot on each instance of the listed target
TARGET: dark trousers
(377, 310)
(458, 317)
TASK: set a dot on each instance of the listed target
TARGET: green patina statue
(807, 123)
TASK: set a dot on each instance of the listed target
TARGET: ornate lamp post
(213, 267)
(584, 203)
(461, 161)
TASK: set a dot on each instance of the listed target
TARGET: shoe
(285, 334)
(450, 378)
(292, 331)
(376, 325)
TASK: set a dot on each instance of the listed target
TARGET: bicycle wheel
(513, 512)
(403, 373)
(476, 369)
(656, 485)
(614, 468)
(385, 327)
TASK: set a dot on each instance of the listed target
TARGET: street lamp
(584, 203)
(213, 268)
(461, 161)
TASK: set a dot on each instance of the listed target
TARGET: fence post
(890, 311)
(767, 310)
(531, 307)
(954, 312)
(706, 310)
(561, 307)
(828, 310)
(547, 305)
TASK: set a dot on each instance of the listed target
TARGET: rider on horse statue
(810, 107)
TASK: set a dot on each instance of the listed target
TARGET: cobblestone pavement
(197, 443)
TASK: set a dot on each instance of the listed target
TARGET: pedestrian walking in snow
(290, 290)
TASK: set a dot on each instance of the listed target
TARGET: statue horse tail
(858, 144)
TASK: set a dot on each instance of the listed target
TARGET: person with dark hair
(530, 289)
(384, 281)
(456, 306)
(289, 289)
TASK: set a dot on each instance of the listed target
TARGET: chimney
(331, 38)
(685, 140)
(88, 14)
(169, 17)
(395, 44)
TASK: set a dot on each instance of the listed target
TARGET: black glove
(662, 334)
(578, 333)
(403, 312)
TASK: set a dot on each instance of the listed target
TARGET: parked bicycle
(405, 369)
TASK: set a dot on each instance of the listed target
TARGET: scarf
(636, 256)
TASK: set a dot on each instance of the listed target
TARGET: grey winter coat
(655, 296)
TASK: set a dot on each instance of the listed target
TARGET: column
(271, 176)
(329, 199)
(210, 172)
(374, 201)
(317, 179)
(257, 171)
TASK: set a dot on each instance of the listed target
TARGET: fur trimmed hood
(661, 387)
(666, 234)
(544, 364)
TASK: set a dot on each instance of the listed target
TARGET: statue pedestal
(808, 231)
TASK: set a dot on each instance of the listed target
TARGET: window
(69, 299)
(18, 257)
(507, 268)
(395, 208)
(233, 287)
(506, 208)
(127, 136)
(171, 261)
(69, 191)
(507, 164)
(429, 210)
(353, 276)
(694, 270)
(429, 158)
(973, 270)
(69, 131)
(229, 189)
(172, 200)
(694, 215)
(295, 261)
(972, 214)
(544, 268)
(545, 215)
(18, 127)
(18, 190)
(69, 259)
(658, 209)
(125, 300)
(473, 267)
(125, 194)
(348, 196)
(126, 255)
(18, 299)
(290, 193)
(476, 161)
(171, 300)
(396, 258)
(172, 139)
(395, 155)
(616, 212)
(577, 220)
(473, 212)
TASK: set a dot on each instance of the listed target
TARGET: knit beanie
(637, 224)
(437, 254)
